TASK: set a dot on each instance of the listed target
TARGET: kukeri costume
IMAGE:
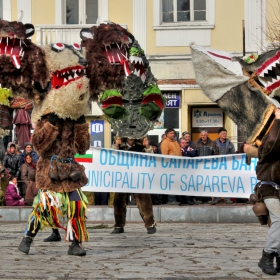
(121, 78)
(60, 132)
(22, 65)
(247, 89)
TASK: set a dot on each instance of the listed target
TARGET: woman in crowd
(12, 196)
(28, 172)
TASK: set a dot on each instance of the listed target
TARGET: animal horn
(21, 16)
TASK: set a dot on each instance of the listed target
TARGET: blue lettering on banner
(253, 182)
(207, 184)
(242, 165)
(163, 182)
(118, 178)
(206, 161)
(185, 187)
(215, 182)
(191, 183)
(199, 181)
(128, 180)
(215, 163)
(240, 185)
(222, 184)
(126, 159)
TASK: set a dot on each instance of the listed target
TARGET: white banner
(129, 172)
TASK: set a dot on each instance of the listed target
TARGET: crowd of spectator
(18, 169)
(204, 146)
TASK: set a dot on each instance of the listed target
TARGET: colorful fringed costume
(49, 207)
(60, 132)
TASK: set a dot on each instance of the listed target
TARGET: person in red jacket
(12, 196)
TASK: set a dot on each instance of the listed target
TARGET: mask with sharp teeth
(67, 95)
(266, 71)
(119, 69)
(22, 63)
(242, 87)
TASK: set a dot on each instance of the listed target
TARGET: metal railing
(66, 33)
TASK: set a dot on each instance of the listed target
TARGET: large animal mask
(121, 79)
(22, 63)
(242, 87)
(67, 95)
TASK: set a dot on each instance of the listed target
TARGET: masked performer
(130, 97)
(247, 89)
(61, 131)
(22, 65)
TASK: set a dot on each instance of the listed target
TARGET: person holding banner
(187, 136)
(205, 147)
(225, 148)
(169, 146)
(267, 189)
(187, 151)
(143, 201)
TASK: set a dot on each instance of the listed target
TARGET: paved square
(176, 251)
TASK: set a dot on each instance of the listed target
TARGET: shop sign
(172, 99)
(97, 133)
(207, 117)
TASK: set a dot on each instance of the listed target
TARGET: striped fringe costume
(49, 207)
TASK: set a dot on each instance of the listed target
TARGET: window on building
(183, 10)
(81, 12)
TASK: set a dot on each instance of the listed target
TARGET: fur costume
(22, 66)
(122, 81)
(22, 63)
(242, 87)
(60, 132)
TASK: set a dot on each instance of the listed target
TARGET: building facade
(165, 29)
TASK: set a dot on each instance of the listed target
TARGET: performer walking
(268, 172)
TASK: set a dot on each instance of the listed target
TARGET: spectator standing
(12, 196)
(205, 146)
(155, 147)
(163, 136)
(147, 147)
(28, 149)
(28, 174)
(11, 160)
(225, 148)
(169, 146)
(187, 151)
(190, 143)
(152, 149)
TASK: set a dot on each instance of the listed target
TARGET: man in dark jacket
(268, 172)
(205, 146)
(28, 149)
(187, 136)
(187, 151)
(225, 148)
(11, 160)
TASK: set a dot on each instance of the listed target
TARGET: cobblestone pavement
(176, 251)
